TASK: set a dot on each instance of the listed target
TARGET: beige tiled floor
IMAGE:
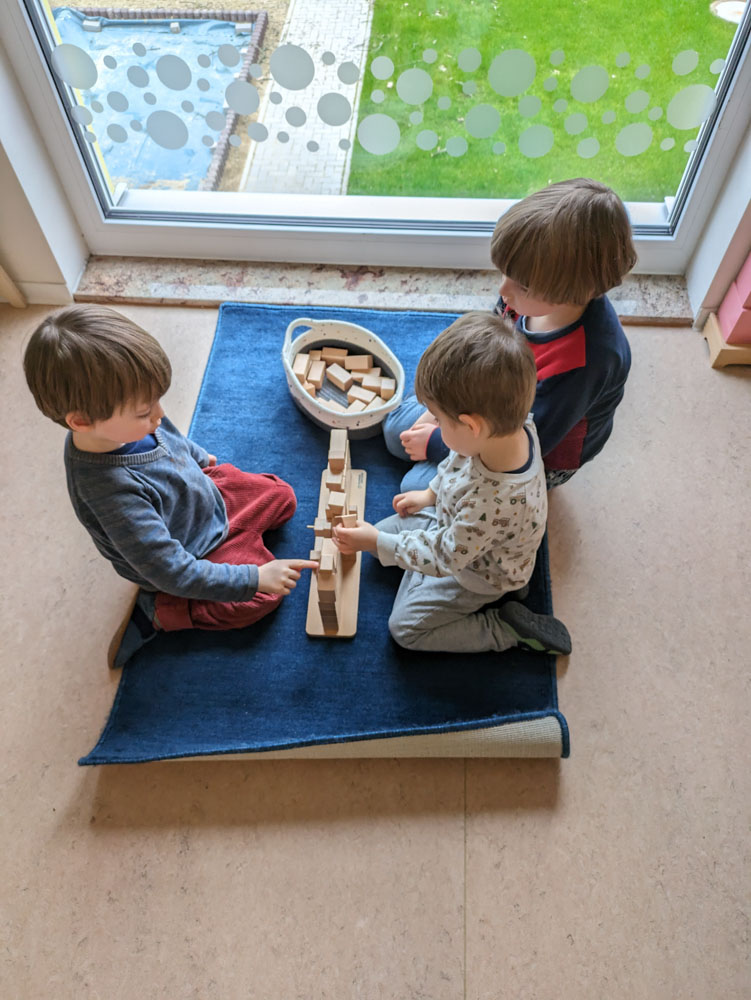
(620, 874)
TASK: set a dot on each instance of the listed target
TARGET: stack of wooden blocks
(334, 589)
(353, 374)
(728, 331)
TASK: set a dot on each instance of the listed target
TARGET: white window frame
(342, 229)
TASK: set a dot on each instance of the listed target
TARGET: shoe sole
(521, 620)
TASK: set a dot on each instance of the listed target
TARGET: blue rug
(271, 687)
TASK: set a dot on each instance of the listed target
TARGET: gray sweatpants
(437, 613)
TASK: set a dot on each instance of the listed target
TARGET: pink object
(743, 281)
(735, 321)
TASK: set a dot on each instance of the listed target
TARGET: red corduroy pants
(255, 504)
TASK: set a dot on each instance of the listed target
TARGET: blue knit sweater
(155, 515)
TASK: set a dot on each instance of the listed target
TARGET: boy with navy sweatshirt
(559, 251)
(187, 531)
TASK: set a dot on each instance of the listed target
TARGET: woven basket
(358, 340)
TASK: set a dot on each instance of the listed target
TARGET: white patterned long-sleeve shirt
(489, 525)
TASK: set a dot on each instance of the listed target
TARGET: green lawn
(589, 32)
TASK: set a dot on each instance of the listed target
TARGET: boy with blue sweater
(187, 531)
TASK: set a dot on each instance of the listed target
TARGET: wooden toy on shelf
(335, 587)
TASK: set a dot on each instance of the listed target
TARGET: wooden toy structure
(335, 587)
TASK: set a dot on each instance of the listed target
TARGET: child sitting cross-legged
(472, 535)
(187, 531)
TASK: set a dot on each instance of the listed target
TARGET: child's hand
(362, 538)
(212, 460)
(415, 439)
(281, 575)
(412, 501)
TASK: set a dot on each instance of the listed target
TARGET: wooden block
(309, 388)
(335, 481)
(720, 353)
(388, 387)
(322, 528)
(340, 378)
(333, 404)
(335, 504)
(358, 362)
(317, 373)
(375, 403)
(300, 367)
(357, 392)
(338, 448)
(356, 406)
(348, 520)
(333, 355)
(372, 383)
(315, 356)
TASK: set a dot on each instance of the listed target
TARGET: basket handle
(293, 326)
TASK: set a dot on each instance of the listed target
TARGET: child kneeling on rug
(472, 536)
(189, 532)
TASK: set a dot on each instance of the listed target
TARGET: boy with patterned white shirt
(472, 536)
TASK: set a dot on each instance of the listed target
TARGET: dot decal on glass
(589, 84)
(469, 60)
(138, 76)
(89, 137)
(207, 141)
(536, 141)
(173, 72)
(117, 133)
(690, 146)
(560, 105)
(117, 101)
(637, 101)
(608, 117)
(276, 97)
(312, 146)
(444, 103)
(414, 86)
(482, 121)
(378, 134)
(382, 68)
(215, 120)
(166, 129)
(136, 125)
(469, 87)
(499, 148)
(242, 97)
(203, 60)
(634, 139)
(529, 106)
(328, 58)
(378, 96)
(139, 48)
(235, 140)
(429, 56)
(667, 144)
(97, 107)
(296, 117)
(187, 106)
(292, 67)
(588, 148)
(512, 72)
(74, 66)
(344, 144)
(456, 146)
(150, 98)
(557, 57)
(691, 106)
(415, 117)
(255, 69)
(575, 123)
(551, 83)
(82, 115)
(203, 85)
(229, 55)
(334, 109)
(283, 136)
(109, 62)
(258, 131)
(642, 72)
(685, 62)
(654, 113)
(717, 66)
(427, 139)
(348, 72)
(622, 59)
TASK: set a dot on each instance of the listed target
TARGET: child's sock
(543, 633)
(139, 629)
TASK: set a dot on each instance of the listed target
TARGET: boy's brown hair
(92, 360)
(479, 365)
(567, 244)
